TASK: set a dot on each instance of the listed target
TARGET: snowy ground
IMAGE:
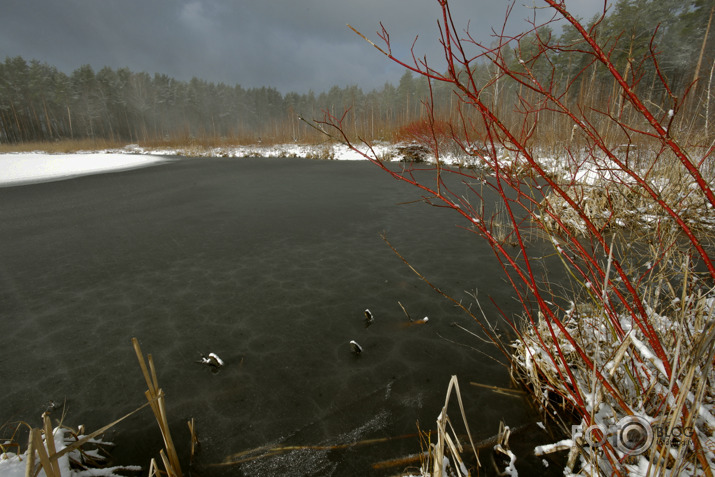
(23, 168)
(16, 169)
(338, 152)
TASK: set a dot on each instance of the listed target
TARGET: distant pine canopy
(40, 103)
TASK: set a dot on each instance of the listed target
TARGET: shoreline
(20, 168)
(31, 168)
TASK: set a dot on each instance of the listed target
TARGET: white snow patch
(13, 465)
(215, 356)
(549, 448)
(22, 168)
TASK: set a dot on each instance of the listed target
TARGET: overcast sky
(291, 45)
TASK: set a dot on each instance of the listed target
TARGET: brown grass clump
(65, 146)
(612, 199)
(681, 310)
(424, 132)
(54, 449)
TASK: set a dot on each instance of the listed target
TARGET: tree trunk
(702, 47)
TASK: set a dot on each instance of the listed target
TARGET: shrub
(631, 336)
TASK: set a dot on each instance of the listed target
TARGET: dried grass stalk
(42, 454)
(30, 459)
(50, 443)
(444, 438)
(155, 397)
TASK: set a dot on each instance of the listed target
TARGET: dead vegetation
(61, 451)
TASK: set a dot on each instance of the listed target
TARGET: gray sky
(292, 45)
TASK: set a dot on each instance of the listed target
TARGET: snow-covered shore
(32, 167)
(23, 168)
(329, 151)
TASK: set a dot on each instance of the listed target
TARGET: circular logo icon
(593, 439)
(634, 435)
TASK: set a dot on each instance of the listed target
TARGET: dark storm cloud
(288, 44)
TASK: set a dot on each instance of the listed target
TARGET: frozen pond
(269, 263)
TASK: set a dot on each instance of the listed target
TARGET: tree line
(40, 103)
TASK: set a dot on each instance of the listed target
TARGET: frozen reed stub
(52, 406)
(212, 360)
(409, 318)
(421, 321)
(215, 359)
(369, 319)
(357, 349)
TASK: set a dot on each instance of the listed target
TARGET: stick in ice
(357, 349)
(211, 360)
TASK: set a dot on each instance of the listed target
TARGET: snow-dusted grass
(381, 151)
(612, 198)
(73, 462)
(639, 378)
(70, 453)
(670, 394)
(327, 151)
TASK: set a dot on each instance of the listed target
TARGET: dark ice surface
(268, 263)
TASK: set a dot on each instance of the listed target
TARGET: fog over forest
(40, 103)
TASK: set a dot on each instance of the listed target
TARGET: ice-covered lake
(269, 263)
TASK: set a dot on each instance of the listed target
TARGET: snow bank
(338, 152)
(25, 168)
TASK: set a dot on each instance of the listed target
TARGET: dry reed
(43, 441)
(448, 442)
(42, 446)
(64, 146)
(155, 398)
